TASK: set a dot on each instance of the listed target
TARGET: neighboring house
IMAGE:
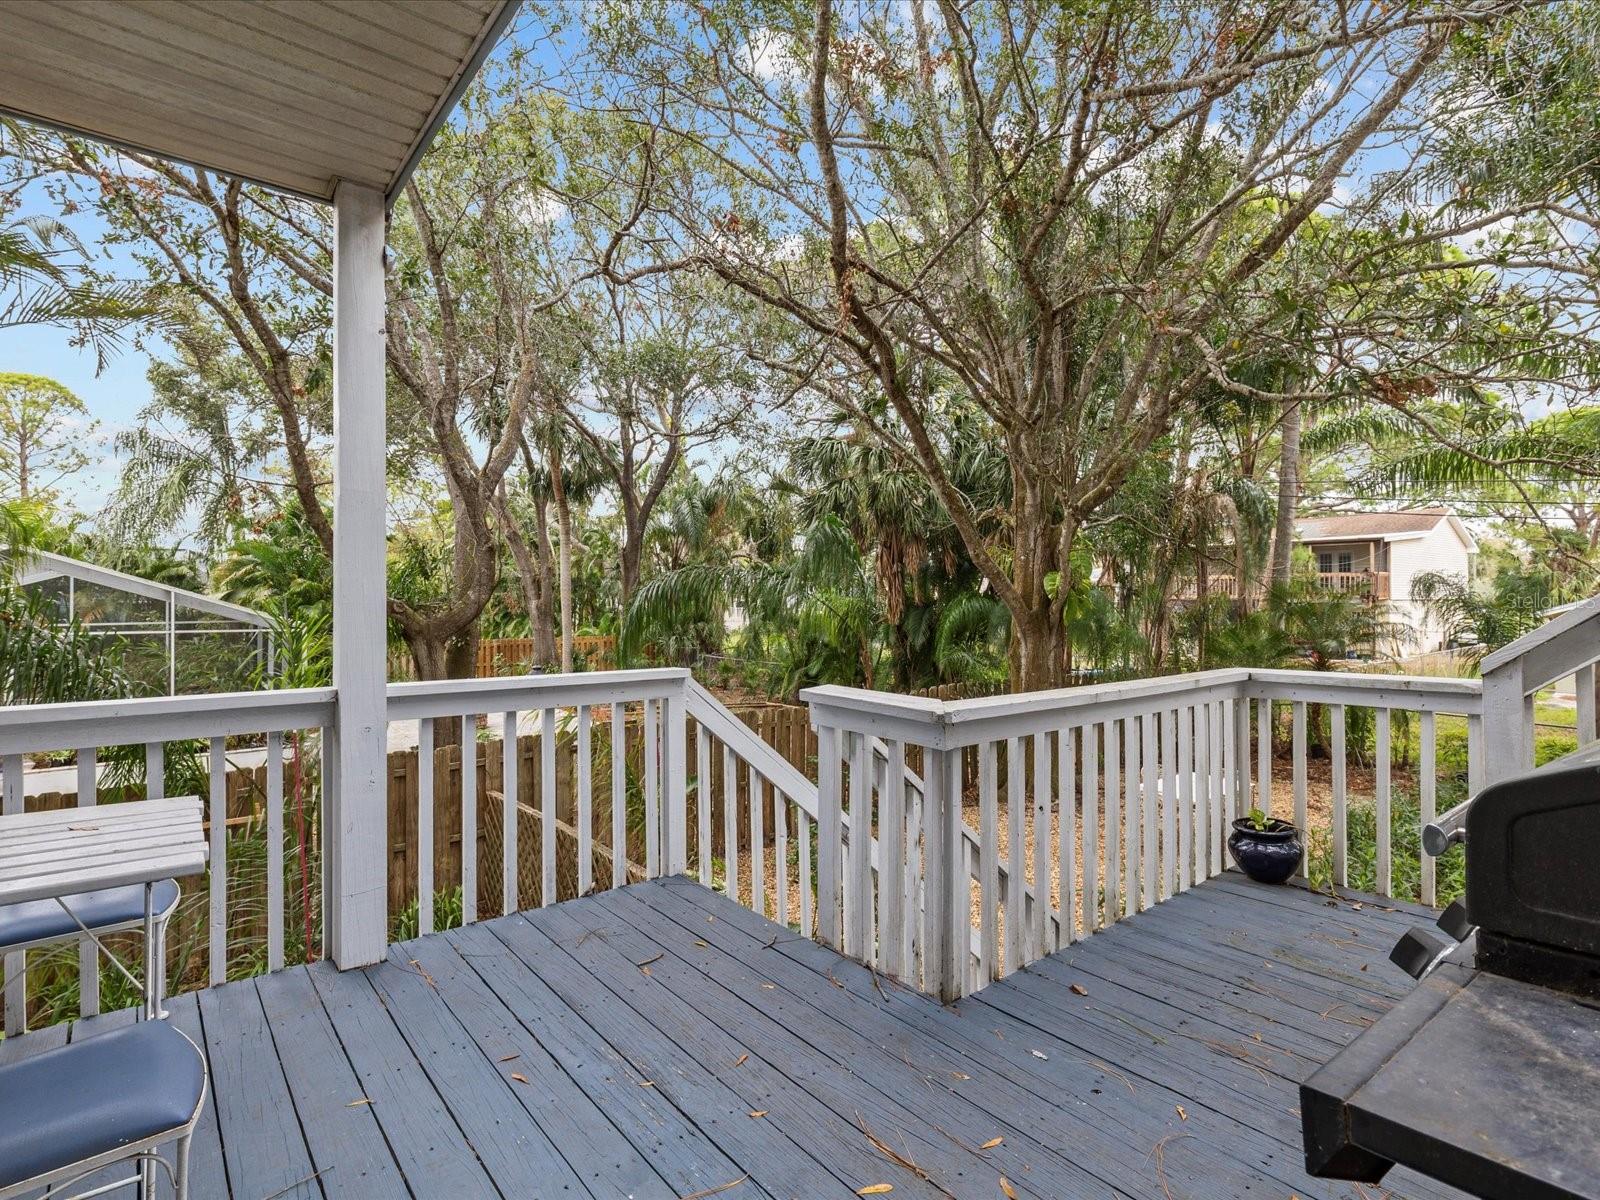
(1381, 553)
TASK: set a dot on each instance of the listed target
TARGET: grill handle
(1446, 830)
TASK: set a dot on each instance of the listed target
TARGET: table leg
(150, 1003)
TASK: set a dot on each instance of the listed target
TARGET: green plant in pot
(1266, 849)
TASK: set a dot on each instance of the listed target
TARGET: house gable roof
(1394, 526)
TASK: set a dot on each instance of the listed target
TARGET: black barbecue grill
(1487, 1076)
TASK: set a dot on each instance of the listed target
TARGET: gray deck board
(660, 1042)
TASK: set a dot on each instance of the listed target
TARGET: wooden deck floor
(662, 1042)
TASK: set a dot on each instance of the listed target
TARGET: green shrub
(1405, 842)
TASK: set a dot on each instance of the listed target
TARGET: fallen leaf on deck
(1182, 1116)
(758, 1112)
(741, 1060)
(519, 1078)
(771, 986)
(702, 945)
(647, 1083)
(959, 1075)
(991, 1143)
(1040, 1054)
(509, 1057)
(875, 1189)
(358, 1103)
(1079, 990)
(1005, 1186)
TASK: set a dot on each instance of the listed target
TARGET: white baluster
(1113, 819)
(1016, 847)
(217, 812)
(619, 794)
(1169, 801)
(702, 800)
(585, 758)
(510, 900)
(988, 865)
(1385, 849)
(1041, 846)
(892, 852)
(88, 952)
(1427, 797)
(1066, 833)
(1187, 839)
(425, 825)
(549, 834)
(755, 789)
(1091, 829)
(780, 853)
(274, 851)
(1341, 799)
(652, 789)
(730, 823)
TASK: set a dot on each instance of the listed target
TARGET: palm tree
(819, 608)
(39, 287)
(1478, 618)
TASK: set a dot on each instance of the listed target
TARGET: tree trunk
(543, 616)
(1039, 645)
(632, 559)
(558, 489)
(533, 574)
(1288, 493)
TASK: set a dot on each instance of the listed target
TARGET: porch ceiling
(293, 94)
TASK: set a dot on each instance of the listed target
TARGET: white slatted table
(50, 855)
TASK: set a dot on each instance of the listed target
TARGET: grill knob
(1454, 922)
(1418, 951)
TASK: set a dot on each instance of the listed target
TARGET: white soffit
(293, 94)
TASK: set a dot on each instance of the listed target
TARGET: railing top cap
(954, 713)
(553, 682)
(936, 712)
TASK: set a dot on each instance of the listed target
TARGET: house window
(1325, 563)
(1345, 566)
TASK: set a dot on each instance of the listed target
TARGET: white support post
(947, 950)
(1507, 730)
(1583, 684)
(356, 815)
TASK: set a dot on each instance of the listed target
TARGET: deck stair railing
(1513, 678)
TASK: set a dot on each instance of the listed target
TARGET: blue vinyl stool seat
(40, 922)
(109, 1098)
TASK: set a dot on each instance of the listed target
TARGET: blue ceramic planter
(1266, 855)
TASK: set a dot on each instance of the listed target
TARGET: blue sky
(114, 396)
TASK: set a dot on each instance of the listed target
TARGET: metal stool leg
(180, 1178)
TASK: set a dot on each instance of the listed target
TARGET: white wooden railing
(90, 729)
(1116, 797)
(994, 830)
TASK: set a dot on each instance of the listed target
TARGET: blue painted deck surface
(661, 1042)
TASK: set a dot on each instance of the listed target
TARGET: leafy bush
(1405, 842)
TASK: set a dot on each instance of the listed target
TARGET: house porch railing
(1374, 585)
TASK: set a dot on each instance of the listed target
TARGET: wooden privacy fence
(515, 656)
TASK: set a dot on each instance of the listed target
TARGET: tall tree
(44, 434)
(471, 270)
(1078, 215)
